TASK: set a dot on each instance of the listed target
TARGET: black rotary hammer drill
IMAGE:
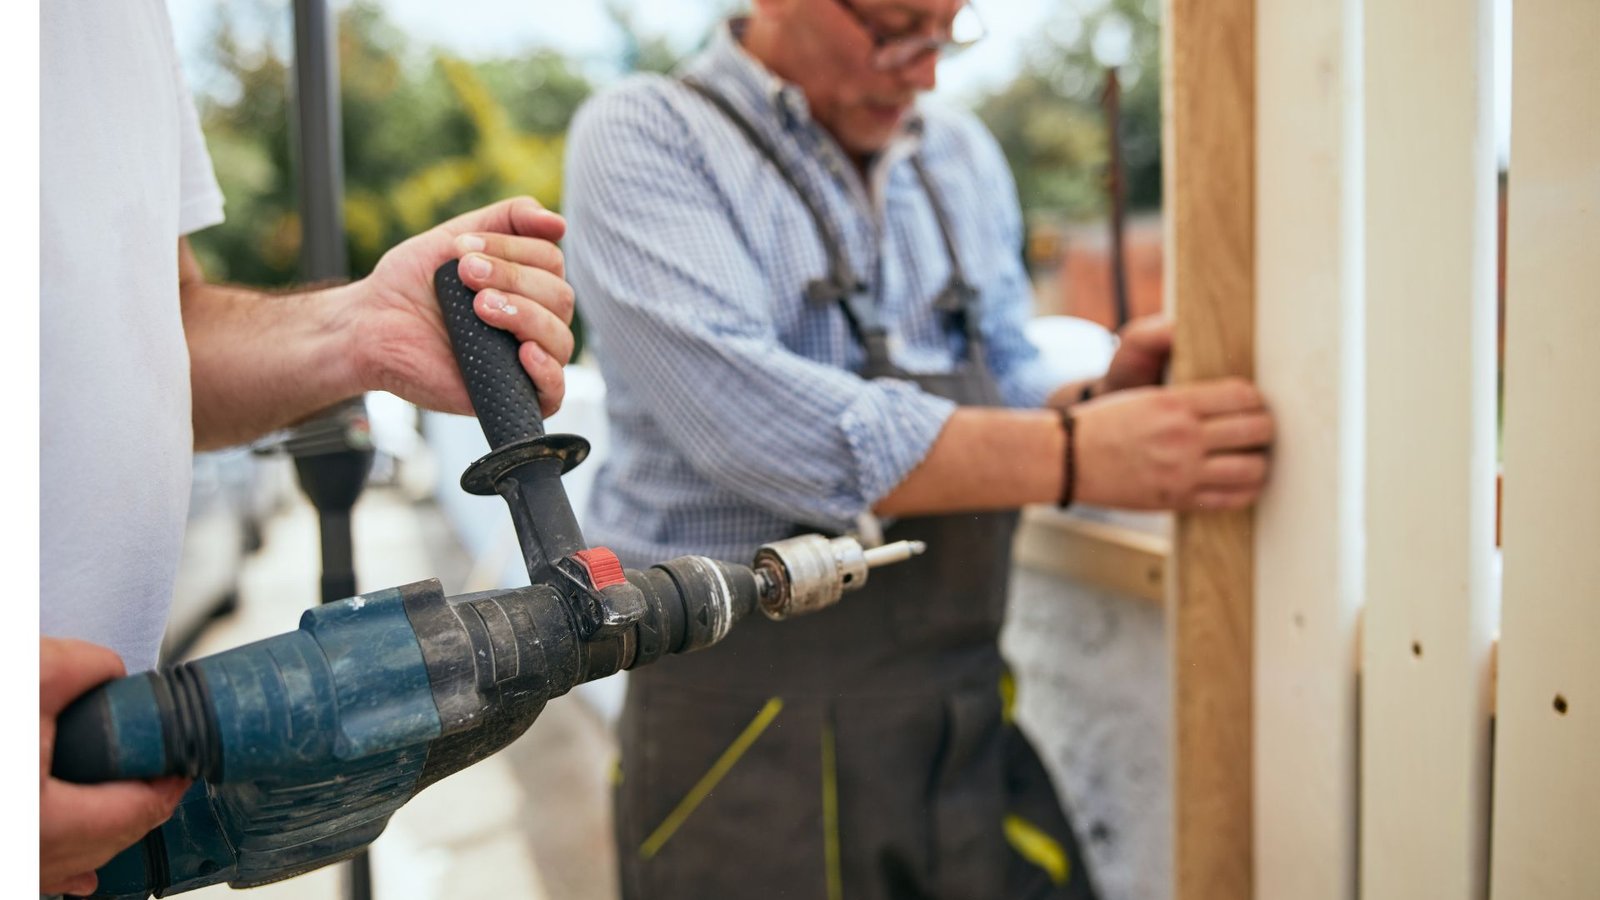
(304, 744)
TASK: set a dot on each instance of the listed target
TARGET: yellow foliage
(417, 200)
(521, 163)
(364, 214)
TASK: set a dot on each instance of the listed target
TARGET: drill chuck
(801, 575)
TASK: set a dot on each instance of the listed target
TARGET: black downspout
(1117, 199)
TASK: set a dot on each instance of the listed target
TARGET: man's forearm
(985, 459)
(259, 361)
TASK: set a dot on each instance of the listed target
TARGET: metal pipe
(332, 476)
(319, 142)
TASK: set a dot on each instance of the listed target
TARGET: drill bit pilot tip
(899, 551)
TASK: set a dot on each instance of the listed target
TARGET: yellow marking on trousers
(1008, 696)
(830, 814)
(708, 782)
(1037, 847)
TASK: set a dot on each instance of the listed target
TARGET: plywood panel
(1209, 105)
(1309, 364)
(1547, 753)
(1430, 320)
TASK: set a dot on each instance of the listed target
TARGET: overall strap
(958, 296)
(841, 285)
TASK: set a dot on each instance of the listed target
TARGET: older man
(807, 301)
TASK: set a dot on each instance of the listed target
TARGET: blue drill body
(319, 735)
(304, 744)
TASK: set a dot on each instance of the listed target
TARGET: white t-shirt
(123, 173)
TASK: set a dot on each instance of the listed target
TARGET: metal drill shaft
(899, 551)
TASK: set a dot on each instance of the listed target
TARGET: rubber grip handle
(85, 746)
(501, 392)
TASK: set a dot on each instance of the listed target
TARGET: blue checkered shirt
(735, 410)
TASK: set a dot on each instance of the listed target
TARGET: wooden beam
(1547, 738)
(1308, 588)
(1109, 557)
(1430, 330)
(1209, 90)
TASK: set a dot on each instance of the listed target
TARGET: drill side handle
(524, 465)
(503, 396)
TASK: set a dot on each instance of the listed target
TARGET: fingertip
(104, 658)
(531, 219)
(524, 203)
(557, 225)
(490, 303)
(68, 667)
(548, 377)
(550, 402)
(533, 357)
(81, 885)
(549, 406)
(172, 788)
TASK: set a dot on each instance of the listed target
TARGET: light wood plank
(1308, 588)
(1110, 557)
(1547, 762)
(1209, 167)
(1431, 596)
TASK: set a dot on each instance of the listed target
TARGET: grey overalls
(865, 752)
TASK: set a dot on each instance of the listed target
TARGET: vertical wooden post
(1308, 588)
(1547, 753)
(1209, 109)
(1429, 619)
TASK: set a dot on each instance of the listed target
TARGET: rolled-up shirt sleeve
(684, 326)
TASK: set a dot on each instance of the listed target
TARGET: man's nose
(923, 73)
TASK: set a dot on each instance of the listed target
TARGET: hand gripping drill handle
(524, 465)
(305, 743)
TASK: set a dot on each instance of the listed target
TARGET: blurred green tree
(1049, 120)
(426, 136)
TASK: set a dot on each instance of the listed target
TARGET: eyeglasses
(894, 48)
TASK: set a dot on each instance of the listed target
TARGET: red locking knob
(603, 567)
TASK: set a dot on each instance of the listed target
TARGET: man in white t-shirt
(142, 362)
